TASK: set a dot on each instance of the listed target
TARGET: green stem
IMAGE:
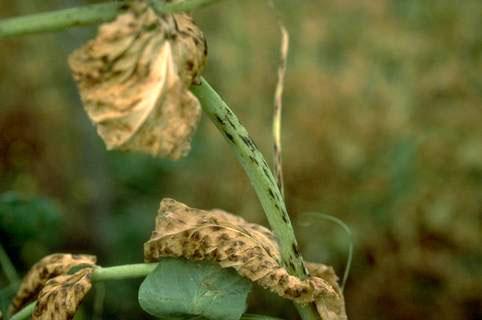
(123, 272)
(261, 178)
(25, 313)
(8, 267)
(186, 5)
(75, 17)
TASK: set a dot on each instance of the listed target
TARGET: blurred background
(381, 128)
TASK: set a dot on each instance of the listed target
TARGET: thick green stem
(86, 15)
(258, 172)
(261, 178)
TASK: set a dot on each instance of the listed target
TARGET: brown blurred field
(381, 128)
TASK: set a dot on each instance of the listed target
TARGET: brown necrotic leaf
(134, 80)
(250, 249)
(49, 267)
(62, 295)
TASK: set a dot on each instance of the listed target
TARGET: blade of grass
(278, 103)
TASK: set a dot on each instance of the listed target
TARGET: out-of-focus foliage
(381, 129)
(24, 219)
(29, 227)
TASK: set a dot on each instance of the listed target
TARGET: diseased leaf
(330, 306)
(62, 295)
(181, 289)
(49, 267)
(134, 80)
(248, 248)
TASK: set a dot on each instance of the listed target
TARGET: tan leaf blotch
(49, 267)
(250, 249)
(134, 80)
(62, 295)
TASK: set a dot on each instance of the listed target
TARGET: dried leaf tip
(134, 80)
(249, 248)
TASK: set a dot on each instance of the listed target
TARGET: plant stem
(81, 16)
(123, 272)
(25, 313)
(8, 267)
(261, 179)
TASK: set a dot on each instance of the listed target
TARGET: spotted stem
(261, 179)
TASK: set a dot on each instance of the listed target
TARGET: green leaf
(182, 289)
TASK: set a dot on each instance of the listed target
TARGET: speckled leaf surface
(62, 295)
(250, 249)
(134, 80)
(181, 289)
(49, 267)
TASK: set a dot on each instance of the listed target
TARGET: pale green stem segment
(123, 272)
(25, 313)
(258, 172)
(261, 178)
(82, 16)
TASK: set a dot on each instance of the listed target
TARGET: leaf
(62, 295)
(248, 248)
(49, 267)
(181, 289)
(134, 80)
